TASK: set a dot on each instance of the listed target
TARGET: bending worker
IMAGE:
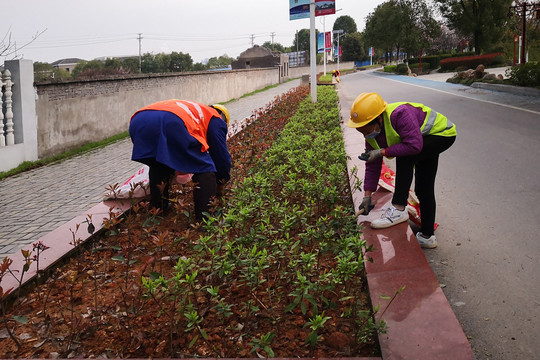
(336, 74)
(415, 135)
(187, 137)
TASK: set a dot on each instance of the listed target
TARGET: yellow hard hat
(224, 110)
(366, 108)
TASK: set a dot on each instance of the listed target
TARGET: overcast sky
(201, 28)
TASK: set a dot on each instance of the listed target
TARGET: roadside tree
(353, 47)
(345, 23)
(219, 62)
(483, 20)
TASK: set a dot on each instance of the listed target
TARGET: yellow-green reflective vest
(434, 124)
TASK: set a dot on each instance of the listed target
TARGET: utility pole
(523, 10)
(140, 58)
(252, 39)
(272, 34)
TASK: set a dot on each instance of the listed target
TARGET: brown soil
(96, 305)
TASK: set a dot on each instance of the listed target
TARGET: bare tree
(9, 48)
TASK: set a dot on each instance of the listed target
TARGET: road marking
(463, 96)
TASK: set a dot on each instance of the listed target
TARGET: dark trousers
(424, 166)
(159, 178)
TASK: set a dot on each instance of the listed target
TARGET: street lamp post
(515, 41)
(339, 33)
(522, 10)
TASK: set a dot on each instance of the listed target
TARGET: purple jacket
(406, 121)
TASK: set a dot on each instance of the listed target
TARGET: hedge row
(472, 62)
(434, 60)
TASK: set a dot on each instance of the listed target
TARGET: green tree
(148, 64)
(180, 62)
(380, 30)
(345, 23)
(301, 40)
(85, 68)
(131, 64)
(274, 47)
(199, 67)
(418, 28)
(219, 62)
(483, 20)
(46, 72)
(398, 25)
(353, 47)
(163, 62)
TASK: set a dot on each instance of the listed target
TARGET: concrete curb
(511, 89)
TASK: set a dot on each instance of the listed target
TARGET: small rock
(25, 336)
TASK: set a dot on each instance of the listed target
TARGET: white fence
(18, 120)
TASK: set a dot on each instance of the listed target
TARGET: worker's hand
(366, 206)
(374, 155)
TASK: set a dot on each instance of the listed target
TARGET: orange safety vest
(195, 116)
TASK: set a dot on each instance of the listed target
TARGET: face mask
(373, 135)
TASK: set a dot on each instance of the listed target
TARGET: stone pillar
(24, 106)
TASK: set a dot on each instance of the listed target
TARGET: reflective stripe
(198, 108)
(188, 111)
(449, 125)
(430, 122)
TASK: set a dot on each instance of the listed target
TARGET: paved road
(38, 201)
(487, 192)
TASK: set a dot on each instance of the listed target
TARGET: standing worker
(415, 135)
(187, 137)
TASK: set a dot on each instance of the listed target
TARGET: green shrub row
(527, 74)
(425, 66)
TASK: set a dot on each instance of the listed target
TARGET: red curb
(60, 241)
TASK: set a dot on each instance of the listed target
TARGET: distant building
(66, 64)
(260, 57)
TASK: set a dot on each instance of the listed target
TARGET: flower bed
(277, 270)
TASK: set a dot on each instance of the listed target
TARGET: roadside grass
(29, 165)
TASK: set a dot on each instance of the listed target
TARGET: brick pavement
(36, 202)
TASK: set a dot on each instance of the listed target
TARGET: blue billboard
(299, 9)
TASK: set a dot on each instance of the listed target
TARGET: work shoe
(391, 217)
(426, 243)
